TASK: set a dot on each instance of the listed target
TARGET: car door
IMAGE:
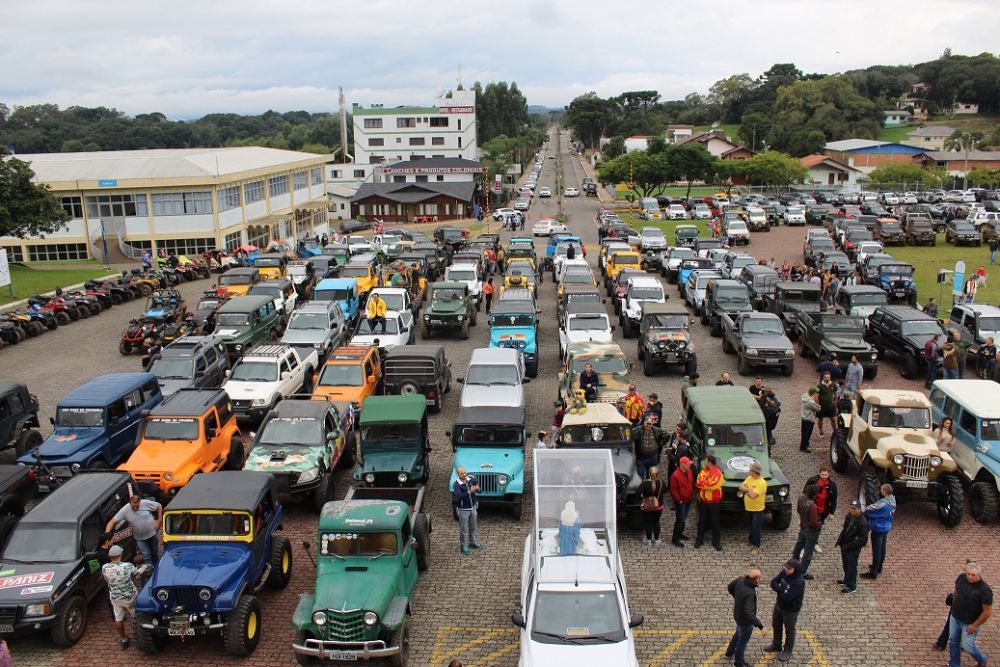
(966, 439)
(408, 552)
(200, 371)
(334, 446)
(90, 537)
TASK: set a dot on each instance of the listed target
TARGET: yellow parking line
(662, 656)
(768, 657)
(714, 658)
(819, 658)
(437, 656)
(499, 653)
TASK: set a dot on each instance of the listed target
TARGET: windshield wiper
(574, 639)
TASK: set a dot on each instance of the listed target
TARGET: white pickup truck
(266, 374)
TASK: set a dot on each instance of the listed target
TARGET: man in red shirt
(826, 498)
(682, 492)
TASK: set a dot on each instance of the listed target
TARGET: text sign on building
(498, 183)
(107, 183)
(432, 170)
(4, 268)
(469, 109)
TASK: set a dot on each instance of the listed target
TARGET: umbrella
(247, 248)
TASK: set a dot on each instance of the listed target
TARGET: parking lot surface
(462, 605)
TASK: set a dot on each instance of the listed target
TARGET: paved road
(463, 604)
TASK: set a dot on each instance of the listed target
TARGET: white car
(266, 374)
(795, 216)
(910, 198)
(639, 291)
(583, 328)
(702, 212)
(866, 248)
(563, 266)
(737, 232)
(697, 283)
(499, 213)
(495, 378)
(889, 199)
(399, 330)
(521, 204)
(545, 193)
(968, 197)
(468, 274)
(359, 244)
(677, 212)
(547, 226)
(652, 239)
(571, 192)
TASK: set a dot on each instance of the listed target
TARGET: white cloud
(187, 58)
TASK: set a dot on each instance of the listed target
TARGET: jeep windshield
(625, 259)
(356, 271)
(292, 431)
(868, 299)
(462, 275)
(595, 433)
(732, 296)
(238, 279)
(609, 365)
(743, 435)
(368, 327)
(483, 374)
(273, 292)
(512, 320)
(901, 270)
(171, 429)
(578, 277)
(267, 261)
(357, 544)
(37, 542)
(173, 369)
(673, 322)
(489, 436)
(844, 325)
(255, 371)
(681, 253)
(588, 323)
(884, 416)
(646, 293)
(221, 524)
(448, 295)
(80, 417)
(389, 432)
(342, 375)
(309, 321)
(578, 617)
(763, 327)
(795, 296)
(921, 328)
(333, 295)
(821, 243)
(233, 320)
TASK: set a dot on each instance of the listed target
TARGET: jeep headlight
(370, 478)
(402, 477)
(461, 317)
(782, 492)
(168, 476)
(309, 475)
(427, 318)
(319, 618)
(752, 351)
(503, 480)
(936, 461)
(317, 346)
(371, 618)
(205, 594)
(898, 459)
(662, 345)
(789, 353)
(41, 609)
(237, 347)
(259, 402)
(874, 356)
(75, 468)
(162, 594)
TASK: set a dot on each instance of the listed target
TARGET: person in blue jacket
(880, 516)
(790, 587)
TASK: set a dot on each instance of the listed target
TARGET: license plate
(899, 292)
(42, 488)
(436, 322)
(771, 361)
(181, 629)
(916, 484)
(341, 655)
(6, 629)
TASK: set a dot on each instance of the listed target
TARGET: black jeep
(418, 369)
(18, 418)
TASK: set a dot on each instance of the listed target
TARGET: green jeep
(245, 321)
(727, 422)
(452, 308)
(394, 441)
(371, 548)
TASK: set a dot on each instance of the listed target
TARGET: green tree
(732, 95)
(905, 175)
(810, 112)
(614, 147)
(690, 162)
(639, 170)
(26, 208)
(774, 169)
(72, 146)
(587, 116)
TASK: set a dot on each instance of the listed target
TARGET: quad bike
(137, 331)
(28, 327)
(166, 304)
(11, 333)
(46, 318)
(174, 330)
(63, 311)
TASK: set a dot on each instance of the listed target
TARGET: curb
(15, 305)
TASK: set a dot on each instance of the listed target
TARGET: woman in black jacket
(652, 491)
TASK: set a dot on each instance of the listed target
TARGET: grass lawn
(928, 260)
(666, 226)
(676, 191)
(896, 134)
(29, 280)
(732, 130)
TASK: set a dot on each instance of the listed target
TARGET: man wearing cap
(754, 492)
(682, 493)
(810, 411)
(831, 366)
(790, 587)
(635, 405)
(744, 592)
(121, 578)
(852, 539)
(709, 502)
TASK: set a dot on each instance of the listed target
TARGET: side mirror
(285, 375)
(52, 420)
(518, 620)
(228, 372)
(211, 433)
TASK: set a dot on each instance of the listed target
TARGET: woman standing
(944, 435)
(652, 507)
(827, 403)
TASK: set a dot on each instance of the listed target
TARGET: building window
(182, 203)
(399, 140)
(316, 175)
(417, 157)
(229, 198)
(232, 241)
(373, 123)
(277, 185)
(440, 121)
(55, 252)
(399, 178)
(15, 253)
(421, 178)
(253, 192)
(440, 178)
(335, 173)
(417, 141)
(359, 173)
(186, 246)
(430, 209)
(376, 159)
(437, 141)
(406, 122)
(460, 142)
(72, 205)
(300, 180)
(116, 206)
(376, 141)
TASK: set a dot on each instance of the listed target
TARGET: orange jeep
(192, 431)
(351, 373)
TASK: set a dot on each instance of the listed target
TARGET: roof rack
(268, 350)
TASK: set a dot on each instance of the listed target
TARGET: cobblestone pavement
(462, 605)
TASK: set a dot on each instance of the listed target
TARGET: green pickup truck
(370, 550)
(825, 334)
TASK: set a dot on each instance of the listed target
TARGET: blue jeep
(556, 239)
(514, 324)
(95, 427)
(220, 547)
(489, 443)
(896, 278)
(342, 290)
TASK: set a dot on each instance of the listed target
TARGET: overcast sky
(186, 58)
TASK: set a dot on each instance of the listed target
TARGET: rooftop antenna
(343, 126)
(460, 76)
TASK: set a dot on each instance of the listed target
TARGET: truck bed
(412, 495)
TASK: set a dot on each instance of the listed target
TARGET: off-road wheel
(781, 519)
(281, 562)
(26, 442)
(425, 331)
(727, 347)
(984, 501)
(242, 631)
(743, 366)
(70, 623)
(716, 327)
(146, 640)
(55, 322)
(691, 366)
(869, 485)
(73, 314)
(628, 329)
(951, 500)
(704, 318)
(125, 348)
(422, 533)
(116, 299)
(871, 373)
(82, 313)
(840, 455)
(648, 367)
(787, 370)
(145, 289)
(409, 388)
(464, 333)
(532, 369)
(401, 638)
(908, 366)
(96, 308)
(235, 459)
(803, 349)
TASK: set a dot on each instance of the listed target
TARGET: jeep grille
(241, 405)
(186, 597)
(488, 484)
(771, 354)
(8, 615)
(916, 467)
(346, 626)
(386, 479)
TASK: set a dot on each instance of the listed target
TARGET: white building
(637, 142)
(185, 201)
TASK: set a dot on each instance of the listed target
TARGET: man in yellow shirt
(754, 492)
(376, 313)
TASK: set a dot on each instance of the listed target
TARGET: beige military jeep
(888, 435)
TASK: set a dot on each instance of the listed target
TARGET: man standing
(654, 408)
(709, 485)
(543, 441)
(826, 495)
(810, 410)
(791, 590)
(754, 491)
(831, 366)
(880, 515)
(635, 405)
(376, 311)
(467, 503)
(984, 358)
(772, 411)
(855, 374)
(682, 493)
(949, 361)
(963, 351)
(649, 442)
(744, 592)
(488, 290)
(724, 380)
(809, 527)
(145, 517)
(932, 350)
(852, 539)
(121, 578)
(757, 389)
(931, 307)
(994, 247)
(971, 607)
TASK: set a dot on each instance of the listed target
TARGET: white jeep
(266, 374)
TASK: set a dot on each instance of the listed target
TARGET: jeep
(665, 338)
(362, 270)
(903, 331)
(961, 232)
(919, 229)
(615, 262)
(344, 291)
(418, 369)
(639, 292)
(246, 321)
(859, 300)
(301, 443)
(896, 279)
(514, 324)
(371, 548)
(976, 322)
(220, 546)
(728, 423)
(758, 340)
(451, 308)
(609, 363)
(95, 427)
(888, 232)
(190, 362)
(574, 294)
(584, 325)
(271, 265)
(843, 336)
(315, 326)
(870, 266)
(265, 375)
(282, 290)
(671, 262)
(193, 431)
(394, 442)
(350, 374)
(791, 298)
(887, 434)
(18, 418)
(733, 262)
(495, 378)
(761, 281)
(238, 280)
(723, 297)
(489, 443)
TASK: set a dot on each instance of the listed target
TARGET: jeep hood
(515, 337)
(846, 341)
(509, 460)
(367, 585)
(239, 390)
(735, 463)
(386, 461)
(497, 395)
(440, 307)
(23, 583)
(163, 456)
(588, 335)
(284, 458)
(231, 333)
(767, 341)
(385, 341)
(65, 443)
(913, 443)
(217, 566)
